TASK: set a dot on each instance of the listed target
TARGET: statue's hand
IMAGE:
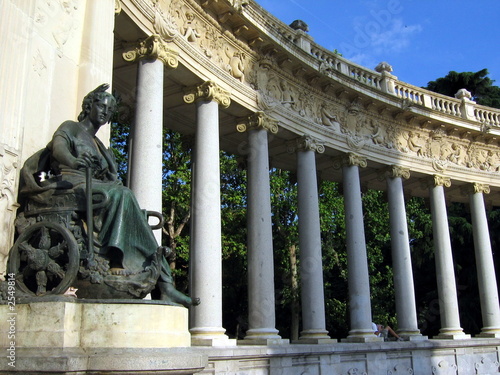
(86, 160)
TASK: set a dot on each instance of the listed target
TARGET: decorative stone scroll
(306, 143)
(349, 159)
(395, 171)
(436, 180)
(208, 91)
(153, 47)
(475, 188)
(258, 120)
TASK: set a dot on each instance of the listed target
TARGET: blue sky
(421, 39)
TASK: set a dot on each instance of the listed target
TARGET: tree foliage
(481, 87)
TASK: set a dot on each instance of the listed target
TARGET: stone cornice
(259, 120)
(208, 91)
(306, 143)
(153, 48)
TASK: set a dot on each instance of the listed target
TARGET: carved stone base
(62, 335)
(72, 323)
(113, 361)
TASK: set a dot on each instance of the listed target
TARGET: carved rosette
(395, 171)
(350, 159)
(306, 143)
(258, 120)
(153, 48)
(208, 91)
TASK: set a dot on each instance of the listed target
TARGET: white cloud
(396, 38)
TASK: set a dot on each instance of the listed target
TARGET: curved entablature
(268, 66)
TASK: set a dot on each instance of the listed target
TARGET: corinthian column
(146, 161)
(487, 282)
(401, 257)
(261, 305)
(311, 264)
(206, 247)
(447, 292)
(357, 262)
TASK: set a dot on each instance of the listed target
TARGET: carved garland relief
(8, 204)
(278, 89)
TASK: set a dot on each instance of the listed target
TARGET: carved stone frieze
(153, 47)
(258, 120)
(165, 24)
(60, 17)
(306, 143)
(444, 368)
(8, 205)
(283, 85)
(208, 91)
(487, 365)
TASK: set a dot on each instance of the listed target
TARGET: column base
(489, 332)
(213, 341)
(314, 341)
(362, 335)
(357, 339)
(411, 335)
(264, 341)
(452, 336)
(210, 336)
(263, 336)
(415, 337)
(314, 336)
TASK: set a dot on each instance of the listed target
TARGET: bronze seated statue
(79, 227)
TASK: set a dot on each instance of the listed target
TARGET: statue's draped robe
(121, 224)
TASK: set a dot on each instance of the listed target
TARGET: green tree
(481, 87)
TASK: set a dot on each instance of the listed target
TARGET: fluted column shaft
(401, 257)
(487, 282)
(445, 274)
(357, 263)
(311, 264)
(261, 299)
(206, 248)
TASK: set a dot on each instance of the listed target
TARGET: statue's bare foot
(168, 293)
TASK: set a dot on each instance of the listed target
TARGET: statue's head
(96, 95)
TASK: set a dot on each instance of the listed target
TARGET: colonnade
(206, 249)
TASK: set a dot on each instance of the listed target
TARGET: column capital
(437, 180)
(305, 143)
(258, 120)
(476, 187)
(208, 91)
(394, 171)
(153, 47)
(349, 159)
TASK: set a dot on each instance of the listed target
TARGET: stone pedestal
(90, 336)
